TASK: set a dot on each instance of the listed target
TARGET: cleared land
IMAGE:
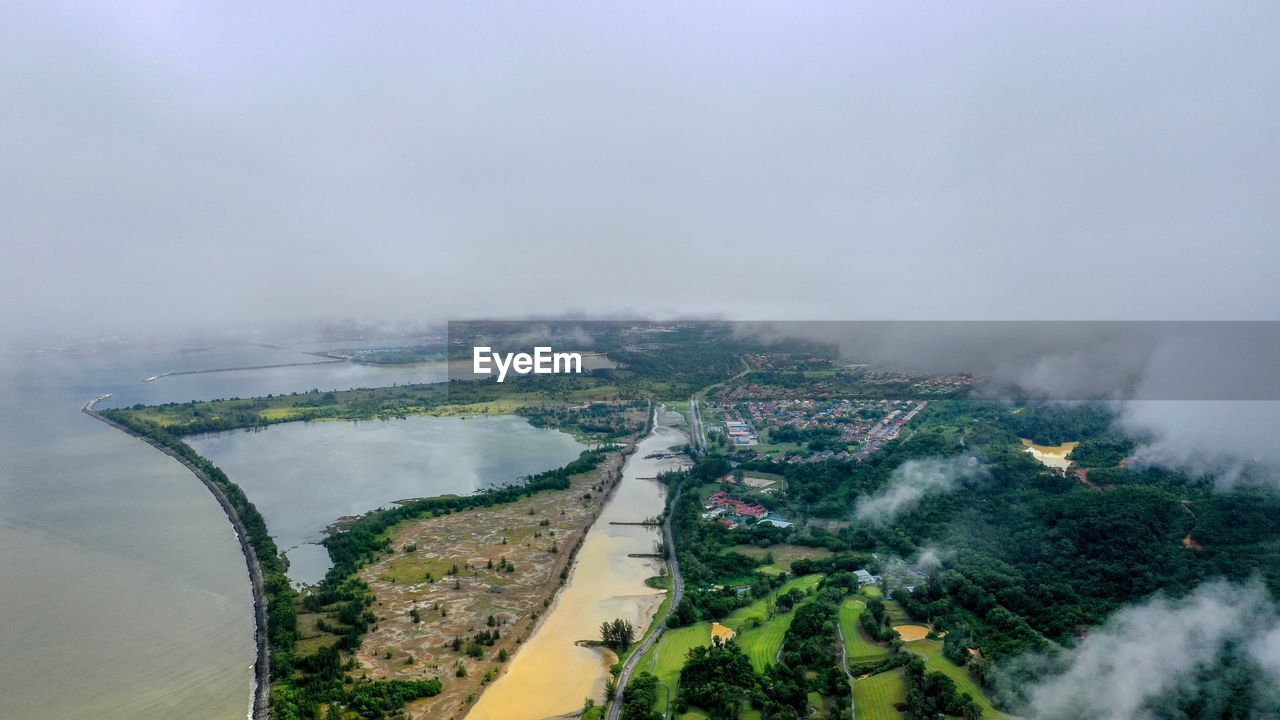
(458, 571)
(783, 556)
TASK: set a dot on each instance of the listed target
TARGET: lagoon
(303, 477)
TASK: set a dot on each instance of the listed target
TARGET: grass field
(858, 646)
(931, 651)
(783, 556)
(876, 696)
(761, 643)
(897, 616)
(738, 618)
(667, 657)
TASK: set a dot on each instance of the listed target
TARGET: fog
(1151, 654)
(169, 166)
(911, 482)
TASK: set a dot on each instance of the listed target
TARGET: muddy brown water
(550, 675)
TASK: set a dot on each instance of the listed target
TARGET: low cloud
(911, 482)
(1149, 655)
(1234, 442)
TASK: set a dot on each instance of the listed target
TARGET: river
(551, 675)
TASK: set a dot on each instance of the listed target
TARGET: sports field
(876, 696)
(934, 661)
(667, 657)
(759, 637)
(857, 645)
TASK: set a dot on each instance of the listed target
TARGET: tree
(716, 679)
(683, 614)
(617, 634)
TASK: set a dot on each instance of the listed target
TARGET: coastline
(261, 691)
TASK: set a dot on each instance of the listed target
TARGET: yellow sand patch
(720, 631)
(912, 632)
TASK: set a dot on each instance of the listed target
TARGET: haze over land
(221, 165)
(216, 170)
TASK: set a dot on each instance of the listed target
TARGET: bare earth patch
(503, 562)
(720, 631)
(911, 633)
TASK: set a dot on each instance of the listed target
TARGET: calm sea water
(123, 594)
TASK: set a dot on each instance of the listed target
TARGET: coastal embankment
(261, 691)
(175, 373)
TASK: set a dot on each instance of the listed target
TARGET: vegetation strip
(179, 450)
(289, 686)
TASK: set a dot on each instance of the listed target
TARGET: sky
(167, 165)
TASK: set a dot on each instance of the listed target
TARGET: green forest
(1031, 557)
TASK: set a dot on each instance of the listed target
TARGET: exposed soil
(911, 633)
(458, 604)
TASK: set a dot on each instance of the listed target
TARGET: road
(844, 663)
(677, 592)
(696, 432)
(677, 580)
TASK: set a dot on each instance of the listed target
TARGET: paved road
(677, 592)
(677, 580)
(844, 663)
(696, 430)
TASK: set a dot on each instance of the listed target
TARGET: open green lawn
(897, 616)
(875, 696)
(931, 651)
(667, 657)
(761, 642)
(870, 591)
(739, 618)
(783, 555)
(859, 647)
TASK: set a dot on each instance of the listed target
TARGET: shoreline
(261, 691)
(606, 654)
(565, 570)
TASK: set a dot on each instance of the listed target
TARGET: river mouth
(551, 674)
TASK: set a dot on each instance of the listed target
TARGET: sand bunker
(912, 632)
(720, 631)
